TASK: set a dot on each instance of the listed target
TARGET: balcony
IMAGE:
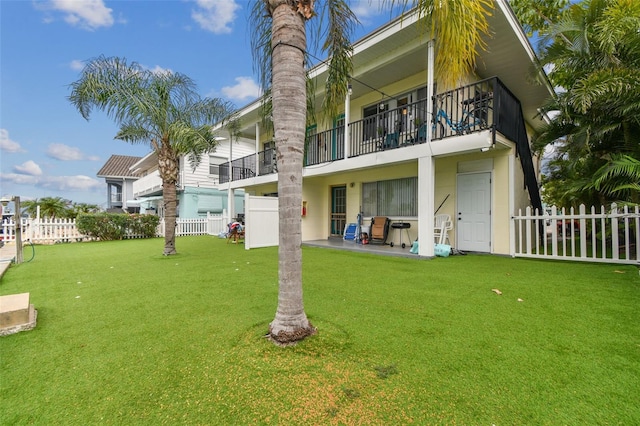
(480, 106)
(150, 184)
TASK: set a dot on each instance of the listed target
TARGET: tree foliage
(536, 16)
(117, 226)
(51, 207)
(161, 109)
(593, 53)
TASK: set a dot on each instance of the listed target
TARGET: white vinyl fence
(210, 225)
(608, 235)
(261, 220)
(51, 231)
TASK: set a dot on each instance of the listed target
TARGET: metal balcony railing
(486, 104)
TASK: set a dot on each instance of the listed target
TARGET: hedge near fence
(117, 226)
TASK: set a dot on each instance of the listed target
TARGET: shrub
(117, 226)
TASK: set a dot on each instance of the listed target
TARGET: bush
(117, 226)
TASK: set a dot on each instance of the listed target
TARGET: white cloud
(6, 144)
(28, 168)
(62, 152)
(215, 15)
(244, 89)
(58, 183)
(71, 183)
(365, 11)
(86, 14)
(159, 70)
(76, 65)
(19, 178)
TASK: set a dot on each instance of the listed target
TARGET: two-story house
(119, 177)
(404, 148)
(135, 181)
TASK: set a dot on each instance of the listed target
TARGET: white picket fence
(608, 235)
(51, 231)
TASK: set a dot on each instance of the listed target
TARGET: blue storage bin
(442, 250)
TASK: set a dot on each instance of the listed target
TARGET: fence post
(527, 229)
(512, 236)
(625, 211)
(615, 247)
(554, 231)
(637, 222)
(583, 232)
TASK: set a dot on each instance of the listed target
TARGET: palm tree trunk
(289, 112)
(170, 200)
(168, 166)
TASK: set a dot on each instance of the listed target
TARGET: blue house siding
(196, 202)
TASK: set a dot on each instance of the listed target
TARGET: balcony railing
(324, 147)
(486, 104)
(147, 185)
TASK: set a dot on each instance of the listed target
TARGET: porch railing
(486, 104)
(598, 235)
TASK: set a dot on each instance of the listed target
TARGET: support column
(512, 205)
(426, 172)
(426, 205)
(258, 149)
(347, 120)
(230, 192)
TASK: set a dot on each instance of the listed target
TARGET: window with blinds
(395, 197)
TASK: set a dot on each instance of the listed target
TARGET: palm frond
(133, 133)
(337, 44)
(458, 28)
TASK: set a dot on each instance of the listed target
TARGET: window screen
(395, 197)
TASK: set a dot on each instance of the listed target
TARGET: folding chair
(441, 227)
(379, 229)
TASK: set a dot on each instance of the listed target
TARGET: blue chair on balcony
(390, 141)
(421, 134)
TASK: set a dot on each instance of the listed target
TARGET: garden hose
(33, 250)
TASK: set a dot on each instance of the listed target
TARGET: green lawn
(127, 336)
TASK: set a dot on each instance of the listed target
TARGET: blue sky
(47, 149)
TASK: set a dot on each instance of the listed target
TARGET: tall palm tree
(279, 46)
(161, 109)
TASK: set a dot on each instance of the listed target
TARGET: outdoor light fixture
(485, 149)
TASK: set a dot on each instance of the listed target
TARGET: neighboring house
(198, 189)
(119, 178)
(386, 156)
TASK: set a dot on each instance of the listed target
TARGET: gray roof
(118, 166)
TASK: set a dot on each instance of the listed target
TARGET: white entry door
(473, 221)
